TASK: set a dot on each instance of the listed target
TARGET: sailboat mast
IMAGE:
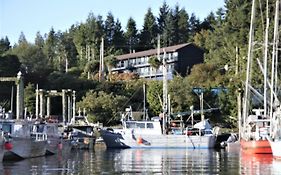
(249, 63)
(165, 92)
(265, 68)
(144, 102)
(274, 56)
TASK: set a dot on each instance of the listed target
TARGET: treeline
(62, 60)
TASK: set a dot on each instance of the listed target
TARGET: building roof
(151, 52)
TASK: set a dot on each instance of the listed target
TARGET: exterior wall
(189, 56)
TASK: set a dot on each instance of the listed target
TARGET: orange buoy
(139, 140)
(8, 146)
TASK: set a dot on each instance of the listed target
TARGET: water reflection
(146, 161)
(169, 161)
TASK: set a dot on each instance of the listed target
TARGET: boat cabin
(144, 127)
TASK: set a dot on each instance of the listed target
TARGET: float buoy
(8, 146)
(139, 140)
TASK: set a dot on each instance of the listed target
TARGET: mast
(274, 57)
(249, 63)
(165, 92)
(144, 102)
(201, 106)
(265, 66)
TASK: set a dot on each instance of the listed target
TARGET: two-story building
(179, 59)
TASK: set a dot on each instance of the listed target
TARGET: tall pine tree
(148, 36)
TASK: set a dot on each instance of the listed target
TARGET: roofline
(152, 51)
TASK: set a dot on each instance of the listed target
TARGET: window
(175, 54)
(149, 125)
(130, 124)
(140, 125)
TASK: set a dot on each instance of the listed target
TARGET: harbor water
(145, 161)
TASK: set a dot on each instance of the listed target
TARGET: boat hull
(275, 146)
(256, 146)
(57, 145)
(25, 148)
(123, 140)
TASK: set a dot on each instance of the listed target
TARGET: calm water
(144, 161)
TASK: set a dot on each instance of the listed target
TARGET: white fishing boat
(20, 141)
(149, 134)
(275, 128)
(275, 138)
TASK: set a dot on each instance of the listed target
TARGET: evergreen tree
(148, 35)
(39, 41)
(163, 15)
(183, 27)
(131, 34)
(109, 25)
(4, 45)
(22, 38)
(194, 25)
(118, 39)
(50, 46)
(169, 37)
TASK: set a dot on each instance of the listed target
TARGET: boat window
(140, 125)
(149, 125)
(6, 128)
(130, 124)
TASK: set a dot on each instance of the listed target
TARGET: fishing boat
(21, 141)
(57, 140)
(275, 130)
(256, 123)
(159, 132)
(275, 137)
(149, 134)
(82, 132)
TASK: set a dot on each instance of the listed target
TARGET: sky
(31, 16)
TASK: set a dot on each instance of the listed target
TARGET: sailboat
(275, 134)
(158, 132)
(256, 126)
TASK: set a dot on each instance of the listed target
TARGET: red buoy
(8, 146)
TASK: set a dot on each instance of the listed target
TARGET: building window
(175, 55)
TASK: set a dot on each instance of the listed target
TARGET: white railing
(39, 136)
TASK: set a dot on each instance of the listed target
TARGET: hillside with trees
(70, 60)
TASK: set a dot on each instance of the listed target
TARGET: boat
(275, 130)
(275, 138)
(255, 123)
(57, 141)
(82, 132)
(20, 141)
(149, 134)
